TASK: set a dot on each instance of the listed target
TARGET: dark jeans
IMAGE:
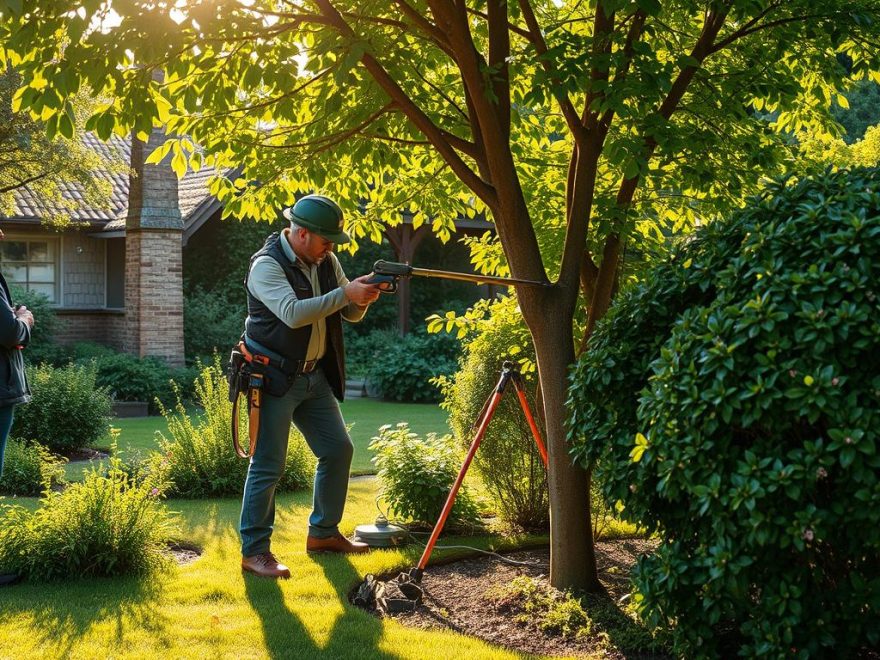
(5, 425)
(310, 405)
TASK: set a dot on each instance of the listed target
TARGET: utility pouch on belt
(250, 374)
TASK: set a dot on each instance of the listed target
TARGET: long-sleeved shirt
(268, 283)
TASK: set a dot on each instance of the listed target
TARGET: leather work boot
(265, 565)
(336, 543)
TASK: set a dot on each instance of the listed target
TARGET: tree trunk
(572, 554)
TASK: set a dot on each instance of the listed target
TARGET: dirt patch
(183, 552)
(463, 596)
(85, 454)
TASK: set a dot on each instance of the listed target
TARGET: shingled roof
(110, 216)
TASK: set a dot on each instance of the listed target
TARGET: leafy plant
(416, 475)
(69, 409)
(104, 526)
(743, 426)
(508, 459)
(29, 469)
(198, 460)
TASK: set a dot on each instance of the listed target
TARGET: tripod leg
(531, 420)
(447, 507)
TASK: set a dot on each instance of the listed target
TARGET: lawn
(209, 609)
(138, 434)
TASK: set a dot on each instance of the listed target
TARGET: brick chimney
(153, 258)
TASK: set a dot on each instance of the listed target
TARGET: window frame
(57, 244)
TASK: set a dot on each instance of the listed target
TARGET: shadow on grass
(355, 634)
(63, 613)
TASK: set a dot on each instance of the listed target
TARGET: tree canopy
(46, 164)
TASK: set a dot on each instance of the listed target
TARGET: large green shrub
(104, 526)
(731, 403)
(401, 368)
(28, 469)
(68, 410)
(198, 460)
(508, 460)
(416, 475)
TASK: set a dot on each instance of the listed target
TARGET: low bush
(29, 469)
(197, 458)
(417, 474)
(130, 378)
(508, 459)
(401, 368)
(730, 403)
(616, 629)
(69, 409)
(103, 526)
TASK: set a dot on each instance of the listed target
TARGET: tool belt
(253, 374)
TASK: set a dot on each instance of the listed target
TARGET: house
(115, 276)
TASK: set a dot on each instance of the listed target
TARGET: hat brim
(340, 237)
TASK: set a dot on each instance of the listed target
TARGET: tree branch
(24, 182)
(415, 114)
(611, 251)
(428, 28)
(632, 36)
(603, 30)
(525, 34)
(537, 38)
(499, 51)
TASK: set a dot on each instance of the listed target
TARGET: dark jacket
(291, 343)
(13, 334)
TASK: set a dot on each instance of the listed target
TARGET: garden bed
(464, 596)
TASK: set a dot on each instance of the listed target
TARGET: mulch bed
(456, 598)
(183, 552)
(85, 454)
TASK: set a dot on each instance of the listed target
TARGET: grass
(138, 434)
(209, 609)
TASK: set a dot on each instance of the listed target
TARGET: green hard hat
(318, 214)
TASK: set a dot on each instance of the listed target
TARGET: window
(31, 265)
(115, 273)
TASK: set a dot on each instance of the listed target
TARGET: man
(16, 323)
(297, 297)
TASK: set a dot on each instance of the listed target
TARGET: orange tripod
(373, 592)
(509, 374)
